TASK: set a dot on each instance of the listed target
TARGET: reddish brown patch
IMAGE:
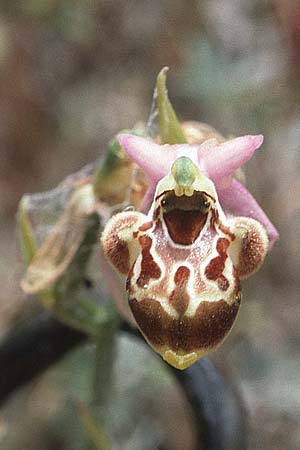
(184, 226)
(179, 298)
(223, 283)
(118, 253)
(222, 246)
(206, 329)
(214, 219)
(149, 268)
(181, 276)
(146, 226)
(214, 270)
(227, 231)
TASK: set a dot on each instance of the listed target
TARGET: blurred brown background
(75, 72)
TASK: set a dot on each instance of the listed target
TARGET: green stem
(104, 358)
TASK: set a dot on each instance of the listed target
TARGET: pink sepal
(236, 200)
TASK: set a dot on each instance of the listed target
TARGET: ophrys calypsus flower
(184, 258)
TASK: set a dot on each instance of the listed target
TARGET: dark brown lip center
(184, 226)
(185, 216)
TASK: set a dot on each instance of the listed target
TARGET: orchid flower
(199, 232)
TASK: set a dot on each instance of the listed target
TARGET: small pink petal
(223, 159)
(238, 201)
(155, 160)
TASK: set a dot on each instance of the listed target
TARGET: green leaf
(170, 128)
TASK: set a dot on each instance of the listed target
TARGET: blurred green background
(72, 74)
